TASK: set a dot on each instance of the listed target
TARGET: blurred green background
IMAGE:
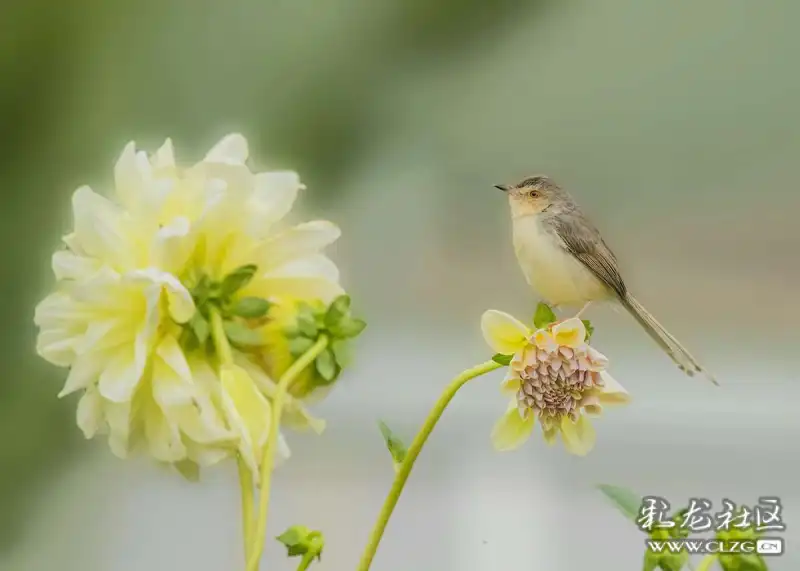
(676, 125)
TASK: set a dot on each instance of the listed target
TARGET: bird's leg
(585, 305)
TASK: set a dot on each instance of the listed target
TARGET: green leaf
(589, 328)
(237, 279)
(326, 365)
(625, 500)
(200, 327)
(544, 316)
(300, 345)
(349, 328)
(651, 561)
(342, 352)
(251, 307)
(188, 469)
(706, 563)
(395, 446)
(239, 334)
(339, 308)
(501, 359)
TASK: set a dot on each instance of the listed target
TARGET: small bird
(566, 261)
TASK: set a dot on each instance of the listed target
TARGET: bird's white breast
(552, 271)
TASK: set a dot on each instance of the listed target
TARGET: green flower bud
(303, 542)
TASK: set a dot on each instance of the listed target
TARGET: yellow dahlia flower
(553, 375)
(136, 283)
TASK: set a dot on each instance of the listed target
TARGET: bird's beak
(503, 187)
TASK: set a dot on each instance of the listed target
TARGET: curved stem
(305, 562)
(268, 458)
(246, 487)
(411, 456)
(225, 354)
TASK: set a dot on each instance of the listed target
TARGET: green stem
(305, 562)
(411, 456)
(268, 459)
(246, 487)
(245, 475)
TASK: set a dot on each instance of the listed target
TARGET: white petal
(163, 437)
(179, 300)
(171, 245)
(118, 417)
(613, 392)
(247, 411)
(503, 333)
(99, 228)
(300, 241)
(90, 413)
(272, 199)
(315, 277)
(231, 149)
(165, 155)
(69, 266)
(84, 372)
(119, 379)
(570, 333)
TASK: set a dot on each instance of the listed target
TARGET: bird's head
(531, 195)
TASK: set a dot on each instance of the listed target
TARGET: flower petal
(90, 413)
(272, 199)
(179, 300)
(83, 373)
(503, 333)
(579, 437)
(171, 247)
(247, 411)
(162, 435)
(597, 361)
(512, 430)
(300, 241)
(511, 384)
(314, 277)
(164, 157)
(545, 341)
(69, 266)
(99, 228)
(570, 333)
(231, 150)
(612, 392)
(171, 377)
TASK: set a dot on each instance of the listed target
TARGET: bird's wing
(581, 239)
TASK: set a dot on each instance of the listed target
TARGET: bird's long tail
(671, 346)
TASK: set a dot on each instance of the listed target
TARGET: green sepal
(338, 309)
(200, 327)
(300, 345)
(348, 328)
(544, 316)
(239, 334)
(306, 321)
(342, 352)
(250, 307)
(502, 359)
(589, 329)
(236, 280)
(325, 364)
(394, 445)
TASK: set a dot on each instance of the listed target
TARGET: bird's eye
(534, 194)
